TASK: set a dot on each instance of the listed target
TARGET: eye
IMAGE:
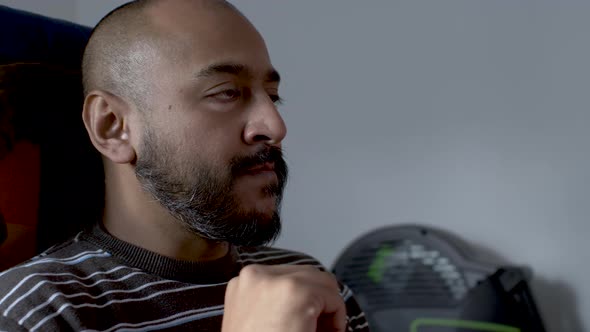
(228, 95)
(276, 99)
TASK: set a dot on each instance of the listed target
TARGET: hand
(283, 298)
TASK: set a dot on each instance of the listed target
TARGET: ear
(107, 119)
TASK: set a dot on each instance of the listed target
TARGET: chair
(51, 182)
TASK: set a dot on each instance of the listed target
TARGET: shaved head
(124, 44)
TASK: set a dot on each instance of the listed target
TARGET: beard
(201, 197)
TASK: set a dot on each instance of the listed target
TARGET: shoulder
(42, 278)
(59, 258)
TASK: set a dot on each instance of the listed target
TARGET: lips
(261, 168)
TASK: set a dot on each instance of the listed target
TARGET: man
(181, 101)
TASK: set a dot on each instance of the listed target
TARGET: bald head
(125, 43)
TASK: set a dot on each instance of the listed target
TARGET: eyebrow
(272, 76)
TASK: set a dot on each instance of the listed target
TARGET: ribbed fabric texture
(96, 282)
(192, 272)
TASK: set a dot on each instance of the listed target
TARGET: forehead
(196, 37)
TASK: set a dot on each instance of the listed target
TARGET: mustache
(269, 154)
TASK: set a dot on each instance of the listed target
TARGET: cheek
(189, 147)
(220, 142)
(215, 137)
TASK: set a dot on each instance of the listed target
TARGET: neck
(133, 216)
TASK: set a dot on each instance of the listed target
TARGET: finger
(319, 278)
(333, 312)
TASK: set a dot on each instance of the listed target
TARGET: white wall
(470, 116)
(89, 12)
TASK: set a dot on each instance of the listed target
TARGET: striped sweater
(96, 282)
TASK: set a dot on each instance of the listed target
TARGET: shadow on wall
(556, 301)
(558, 304)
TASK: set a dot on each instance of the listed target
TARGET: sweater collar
(215, 271)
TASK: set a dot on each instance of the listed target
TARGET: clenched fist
(283, 298)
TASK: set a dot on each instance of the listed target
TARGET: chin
(266, 207)
(263, 216)
(255, 229)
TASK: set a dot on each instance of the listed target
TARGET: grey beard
(208, 207)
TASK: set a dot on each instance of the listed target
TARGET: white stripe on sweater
(173, 320)
(258, 253)
(52, 260)
(360, 326)
(257, 260)
(70, 296)
(44, 260)
(63, 307)
(41, 283)
(350, 319)
(15, 288)
(77, 238)
(67, 259)
(307, 261)
(44, 253)
(346, 294)
(176, 322)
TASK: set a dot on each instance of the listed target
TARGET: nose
(265, 124)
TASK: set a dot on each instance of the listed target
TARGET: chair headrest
(28, 37)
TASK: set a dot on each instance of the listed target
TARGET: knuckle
(331, 279)
(296, 289)
(232, 284)
(251, 271)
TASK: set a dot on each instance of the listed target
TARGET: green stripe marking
(377, 268)
(466, 324)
